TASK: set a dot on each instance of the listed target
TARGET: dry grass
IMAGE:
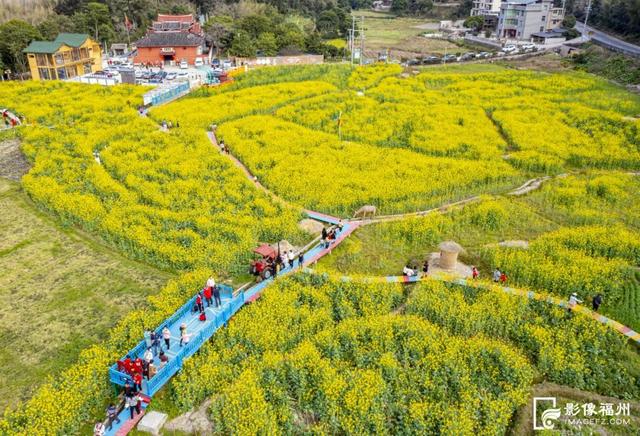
(32, 11)
(59, 293)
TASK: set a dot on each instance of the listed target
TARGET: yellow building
(70, 55)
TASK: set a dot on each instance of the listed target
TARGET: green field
(401, 35)
(60, 292)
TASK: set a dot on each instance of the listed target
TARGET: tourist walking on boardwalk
(207, 291)
(474, 272)
(131, 403)
(211, 282)
(137, 366)
(128, 389)
(163, 359)
(112, 415)
(496, 275)
(145, 369)
(292, 258)
(340, 226)
(137, 380)
(148, 355)
(324, 237)
(155, 342)
(184, 336)
(301, 259)
(597, 301)
(425, 267)
(98, 429)
(216, 296)
(147, 338)
(199, 304)
(573, 302)
(166, 335)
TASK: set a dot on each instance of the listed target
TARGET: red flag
(127, 23)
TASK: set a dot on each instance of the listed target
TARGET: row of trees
(619, 16)
(263, 30)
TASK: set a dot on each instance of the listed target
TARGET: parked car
(413, 62)
(183, 75)
(528, 47)
(483, 55)
(467, 56)
(198, 62)
(509, 49)
(431, 60)
(215, 62)
(449, 58)
(171, 76)
(183, 64)
(226, 65)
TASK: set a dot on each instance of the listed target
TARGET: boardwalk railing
(216, 320)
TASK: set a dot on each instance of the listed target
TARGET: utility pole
(361, 39)
(352, 35)
(586, 19)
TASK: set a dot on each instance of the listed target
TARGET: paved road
(608, 40)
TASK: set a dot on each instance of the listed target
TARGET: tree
(254, 25)
(218, 31)
(98, 19)
(69, 7)
(55, 24)
(242, 46)
(569, 22)
(476, 23)
(328, 24)
(267, 44)
(15, 36)
(290, 37)
(399, 7)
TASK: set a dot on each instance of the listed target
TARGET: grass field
(60, 292)
(401, 35)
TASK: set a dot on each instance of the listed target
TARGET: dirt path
(13, 164)
(253, 179)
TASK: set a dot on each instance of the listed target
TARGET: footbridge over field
(200, 331)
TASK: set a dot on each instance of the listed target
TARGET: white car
(198, 62)
(171, 76)
(509, 49)
(528, 47)
(183, 64)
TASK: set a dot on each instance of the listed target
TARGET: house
(69, 55)
(549, 37)
(486, 7)
(169, 40)
(520, 19)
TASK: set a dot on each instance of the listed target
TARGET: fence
(231, 306)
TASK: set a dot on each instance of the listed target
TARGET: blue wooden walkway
(201, 331)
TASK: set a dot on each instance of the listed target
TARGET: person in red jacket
(474, 272)
(137, 366)
(199, 304)
(128, 365)
(137, 381)
(207, 295)
(503, 278)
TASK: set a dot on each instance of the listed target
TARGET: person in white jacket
(573, 301)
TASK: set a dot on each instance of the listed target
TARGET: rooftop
(50, 47)
(170, 39)
(72, 39)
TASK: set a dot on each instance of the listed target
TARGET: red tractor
(264, 267)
